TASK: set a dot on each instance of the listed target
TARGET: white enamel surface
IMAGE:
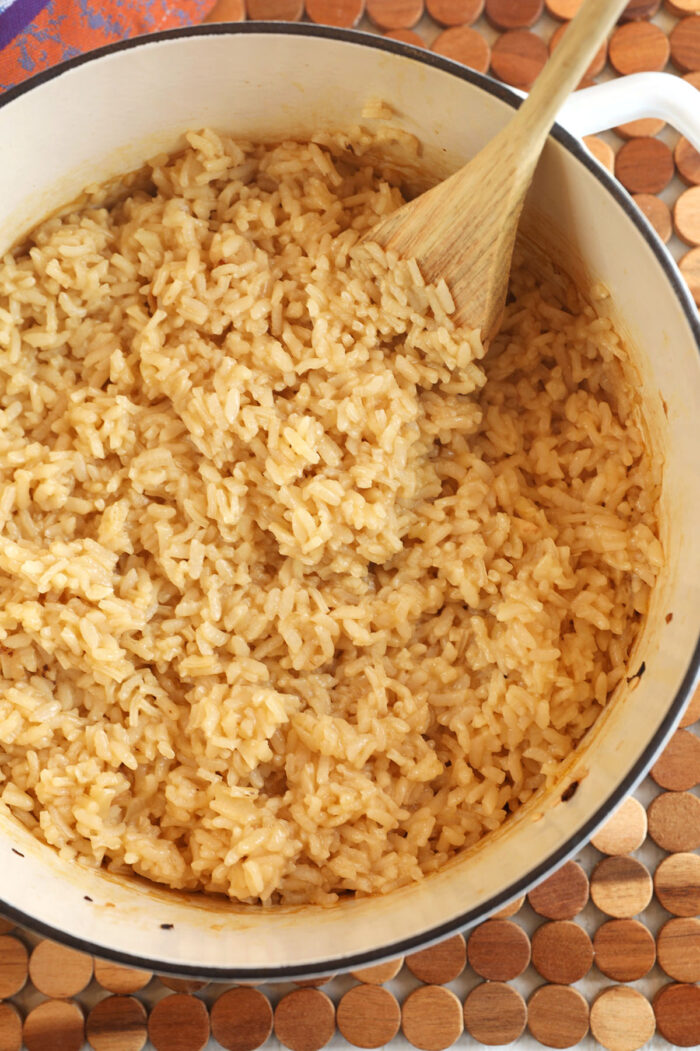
(272, 85)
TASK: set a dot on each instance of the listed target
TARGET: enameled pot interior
(274, 83)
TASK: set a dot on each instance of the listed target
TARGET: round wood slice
(509, 910)
(179, 1022)
(564, 10)
(117, 1024)
(659, 215)
(638, 47)
(241, 1019)
(677, 884)
(625, 831)
(226, 11)
(557, 1015)
(638, 9)
(513, 14)
(685, 45)
(275, 10)
(394, 14)
(368, 1016)
(681, 8)
(622, 1019)
(678, 948)
(6, 925)
(178, 985)
(518, 57)
(599, 59)
(431, 1018)
(621, 887)
(674, 821)
(495, 1013)
(122, 980)
(10, 1028)
(440, 963)
(55, 1025)
(344, 13)
(677, 1009)
(644, 128)
(692, 709)
(563, 895)
(498, 950)
(624, 950)
(380, 973)
(13, 966)
(465, 45)
(686, 222)
(57, 971)
(693, 78)
(678, 768)
(644, 165)
(561, 952)
(687, 160)
(305, 1020)
(455, 12)
(690, 268)
(407, 36)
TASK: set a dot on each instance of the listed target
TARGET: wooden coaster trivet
(644, 165)
(557, 1015)
(677, 1009)
(275, 10)
(685, 45)
(344, 13)
(644, 128)
(498, 950)
(10, 1028)
(692, 710)
(179, 1022)
(658, 214)
(314, 983)
(55, 1025)
(178, 985)
(394, 14)
(624, 950)
(681, 8)
(431, 1018)
(639, 47)
(368, 1016)
(599, 59)
(495, 1013)
(117, 1024)
(227, 11)
(678, 945)
(122, 980)
(464, 45)
(677, 884)
(57, 971)
(686, 222)
(6, 926)
(513, 14)
(440, 963)
(563, 895)
(638, 9)
(625, 831)
(564, 10)
(562, 952)
(687, 160)
(518, 57)
(674, 821)
(678, 767)
(241, 1019)
(690, 268)
(13, 966)
(509, 910)
(305, 1020)
(380, 973)
(406, 36)
(455, 12)
(622, 1019)
(621, 887)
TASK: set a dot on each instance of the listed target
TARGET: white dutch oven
(106, 114)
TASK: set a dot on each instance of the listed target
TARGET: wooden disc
(498, 950)
(681, 8)
(178, 985)
(638, 47)
(368, 1016)
(117, 1024)
(122, 980)
(314, 983)
(394, 14)
(55, 1025)
(674, 821)
(692, 709)
(440, 963)
(563, 895)
(495, 1013)
(659, 215)
(305, 1020)
(406, 36)
(13, 966)
(557, 1015)
(455, 12)
(687, 160)
(179, 1023)
(625, 831)
(686, 222)
(513, 14)
(677, 1009)
(638, 9)
(55, 970)
(621, 887)
(678, 947)
(226, 11)
(644, 165)
(690, 268)
(380, 973)
(509, 910)
(693, 78)
(561, 952)
(624, 950)
(599, 59)
(622, 1019)
(564, 10)
(275, 10)
(10, 1028)
(518, 57)
(644, 128)
(464, 45)
(345, 13)
(241, 1019)
(6, 925)
(685, 45)
(431, 1018)
(678, 767)
(677, 884)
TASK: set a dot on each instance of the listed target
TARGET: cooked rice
(290, 607)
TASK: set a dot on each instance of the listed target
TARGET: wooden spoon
(463, 229)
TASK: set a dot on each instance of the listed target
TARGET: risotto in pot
(301, 593)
